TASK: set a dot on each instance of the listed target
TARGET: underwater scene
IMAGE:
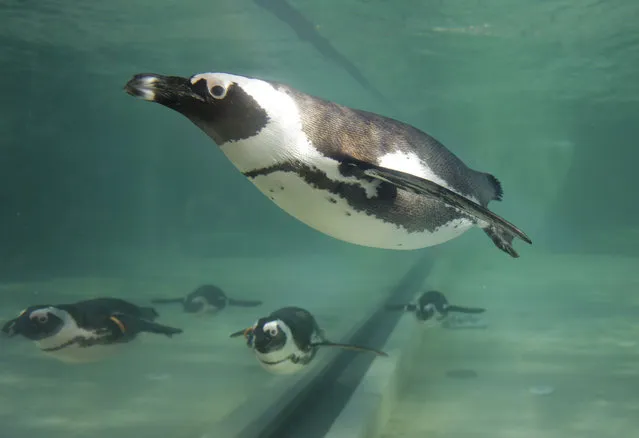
(306, 219)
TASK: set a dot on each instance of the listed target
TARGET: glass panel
(106, 196)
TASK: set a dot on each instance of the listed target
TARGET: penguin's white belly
(286, 367)
(333, 216)
(74, 353)
(279, 362)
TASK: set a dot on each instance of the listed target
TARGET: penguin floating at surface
(353, 175)
(85, 331)
(433, 305)
(288, 339)
(206, 299)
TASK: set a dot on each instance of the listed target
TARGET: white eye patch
(429, 308)
(216, 83)
(271, 328)
(40, 315)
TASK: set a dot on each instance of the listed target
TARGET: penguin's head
(36, 322)
(425, 311)
(205, 299)
(194, 305)
(226, 107)
(269, 335)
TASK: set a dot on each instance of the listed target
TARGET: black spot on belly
(412, 212)
(272, 198)
(281, 187)
(400, 244)
(271, 190)
(332, 200)
(348, 213)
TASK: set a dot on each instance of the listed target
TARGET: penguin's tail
(244, 303)
(460, 309)
(492, 190)
(402, 307)
(350, 347)
(168, 301)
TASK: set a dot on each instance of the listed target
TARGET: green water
(103, 195)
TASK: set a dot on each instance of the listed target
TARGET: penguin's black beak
(261, 342)
(172, 91)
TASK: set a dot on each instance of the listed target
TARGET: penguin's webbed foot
(502, 240)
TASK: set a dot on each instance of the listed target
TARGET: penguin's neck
(66, 334)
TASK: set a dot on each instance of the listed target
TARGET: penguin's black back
(339, 131)
(212, 294)
(91, 313)
(433, 297)
(301, 322)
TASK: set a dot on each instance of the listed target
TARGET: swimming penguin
(353, 175)
(433, 305)
(287, 340)
(207, 299)
(85, 331)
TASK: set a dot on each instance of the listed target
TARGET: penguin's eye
(218, 91)
(42, 318)
(272, 331)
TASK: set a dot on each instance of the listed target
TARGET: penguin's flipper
(500, 230)
(349, 347)
(403, 307)
(148, 313)
(460, 309)
(168, 301)
(160, 329)
(131, 325)
(244, 332)
(247, 333)
(244, 303)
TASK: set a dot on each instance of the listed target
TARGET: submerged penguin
(351, 174)
(85, 331)
(433, 305)
(206, 299)
(288, 339)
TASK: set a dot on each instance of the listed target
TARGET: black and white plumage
(353, 175)
(287, 340)
(433, 305)
(206, 299)
(85, 331)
